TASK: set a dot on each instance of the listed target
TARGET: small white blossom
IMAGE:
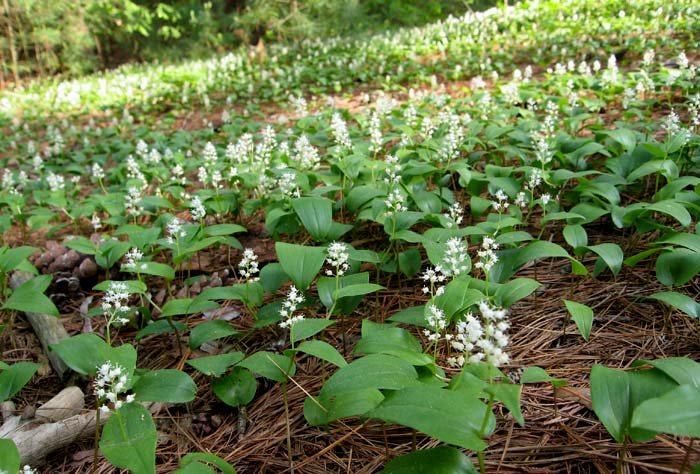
(289, 306)
(197, 210)
(248, 266)
(338, 259)
(111, 381)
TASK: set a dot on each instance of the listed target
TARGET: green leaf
(509, 395)
(582, 316)
(326, 407)
(308, 327)
(611, 254)
(625, 137)
(216, 365)
(272, 277)
(677, 267)
(575, 235)
(326, 292)
(237, 388)
(9, 456)
(323, 351)
(15, 377)
(204, 458)
(84, 353)
(184, 306)
(250, 292)
(677, 412)
(537, 250)
(300, 263)
(440, 460)
(679, 301)
(152, 268)
(386, 339)
(673, 209)
(316, 214)
(357, 290)
(414, 315)
(161, 326)
(681, 369)
(81, 244)
(538, 374)
(129, 439)
(457, 297)
(373, 371)
(510, 293)
(132, 286)
(201, 459)
(270, 365)
(410, 262)
(210, 331)
(616, 394)
(29, 297)
(165, 385)
(223, 229)
(12, 258)
(443, 414)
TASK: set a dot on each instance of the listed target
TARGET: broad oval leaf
(165, 385)
(440, 460)
(446, 415)
(129, 439)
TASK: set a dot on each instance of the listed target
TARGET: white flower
(248, 266)
(434, 277)
(289, 306)
(436, 322)
(337, 258)
(174, 230)
(305, 154)
(111, 381)
(96, 222)
(197, 209)
(455, 213)
(487, 254)
(501, 203)
(340, 131)
(545, 198)
(394, 203)
(132, 257)
(481, 339)
(456, 257)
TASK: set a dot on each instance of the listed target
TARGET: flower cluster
(487, 254)
(395, 203)
(393, 170)
(114, 303)
(481, 339)
(436, 324)
(434, 278)
(197, 210)
(456, 257)
(174, 230)
(248, 266)
(501, 204)
(133, 257)
(340, 131)
(111, 381)
(289, 306)
(337, 258)
(455, 214)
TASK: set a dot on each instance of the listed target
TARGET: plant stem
(97, 441)
(289, 429)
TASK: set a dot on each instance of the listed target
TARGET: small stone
(87, 269)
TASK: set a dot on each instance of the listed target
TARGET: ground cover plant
(466, 247)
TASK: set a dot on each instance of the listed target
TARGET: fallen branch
(56, 424)
(48, 329)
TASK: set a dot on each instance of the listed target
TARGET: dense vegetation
(468, 246)
(42, 37)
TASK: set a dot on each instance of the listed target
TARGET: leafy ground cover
(467, 247)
